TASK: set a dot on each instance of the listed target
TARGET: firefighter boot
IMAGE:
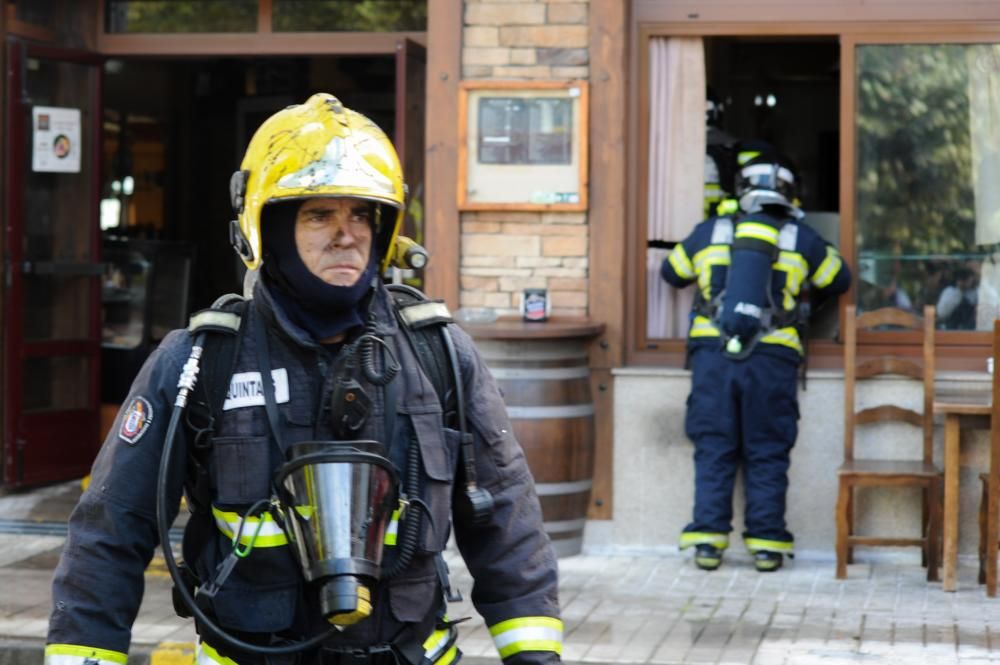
(707, 557)
(767, 562)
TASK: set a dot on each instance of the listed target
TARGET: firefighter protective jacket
(802, 254)
(98, 583)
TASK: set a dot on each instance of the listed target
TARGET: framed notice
(55, 140)
(522, 145)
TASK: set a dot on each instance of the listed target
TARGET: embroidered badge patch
(136, 420)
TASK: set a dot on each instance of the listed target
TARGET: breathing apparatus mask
(337, 499)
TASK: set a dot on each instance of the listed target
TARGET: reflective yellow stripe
(795, 268)
(702, 327)
(440, 647)
(206, 655)
(828, 269)
(791, 286)
(436, 641)
(764, 232)
(705, 261)
(784, 337)
(729, 207)
(448, 657)
(744, 156)
(270, 534)
(527, 634)
(693, 538)
(759, 544)
(680, 262)
(75, 654)
(392, 531)
(710, 256)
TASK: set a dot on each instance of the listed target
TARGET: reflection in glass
(165, 16)
(928, 158)
(123, 296)
(57, 307)
(516, 130)
(39, 12)
(57, 243)
(56, 384)
(350, 15)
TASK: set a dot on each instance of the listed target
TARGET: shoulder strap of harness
(425, 322)
(224, 323)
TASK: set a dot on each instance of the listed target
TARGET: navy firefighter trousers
(742, 413)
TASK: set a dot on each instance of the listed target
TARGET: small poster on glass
(55, 139)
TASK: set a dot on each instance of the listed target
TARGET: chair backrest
(920, 370)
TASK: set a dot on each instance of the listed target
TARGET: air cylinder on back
(748, 284)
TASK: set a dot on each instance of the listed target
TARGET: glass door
(52, 265)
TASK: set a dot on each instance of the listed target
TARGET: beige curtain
(676, 170)
(984, 129)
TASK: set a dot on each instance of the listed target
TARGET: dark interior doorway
(785, 91)
(174, 132)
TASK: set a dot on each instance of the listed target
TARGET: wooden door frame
(16, 152)
(443, 41)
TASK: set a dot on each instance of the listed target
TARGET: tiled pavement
(622, 609)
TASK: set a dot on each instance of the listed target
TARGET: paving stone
(635, 610)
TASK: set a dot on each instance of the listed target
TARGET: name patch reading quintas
(246, 389)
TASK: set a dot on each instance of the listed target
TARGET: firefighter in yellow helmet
(328, 433)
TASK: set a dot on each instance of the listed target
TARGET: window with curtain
(676, 171)
(928, 180)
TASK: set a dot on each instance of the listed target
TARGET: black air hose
(410, 528)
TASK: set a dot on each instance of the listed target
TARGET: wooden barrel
(543, 372)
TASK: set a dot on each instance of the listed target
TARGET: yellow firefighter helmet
(319, 148)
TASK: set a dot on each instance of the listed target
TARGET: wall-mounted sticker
(56, 141)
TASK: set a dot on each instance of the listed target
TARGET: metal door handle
(82, 268)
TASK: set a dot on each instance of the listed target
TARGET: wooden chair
(989, 504)
(922, 473)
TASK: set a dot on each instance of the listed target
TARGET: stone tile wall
(502, 253)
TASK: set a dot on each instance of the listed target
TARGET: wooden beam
(444, 61)
(607, 274)
(254, 44)
(265, 16)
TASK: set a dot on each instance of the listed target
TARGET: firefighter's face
(334, 238)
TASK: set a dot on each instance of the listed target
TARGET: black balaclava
(322, 309)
